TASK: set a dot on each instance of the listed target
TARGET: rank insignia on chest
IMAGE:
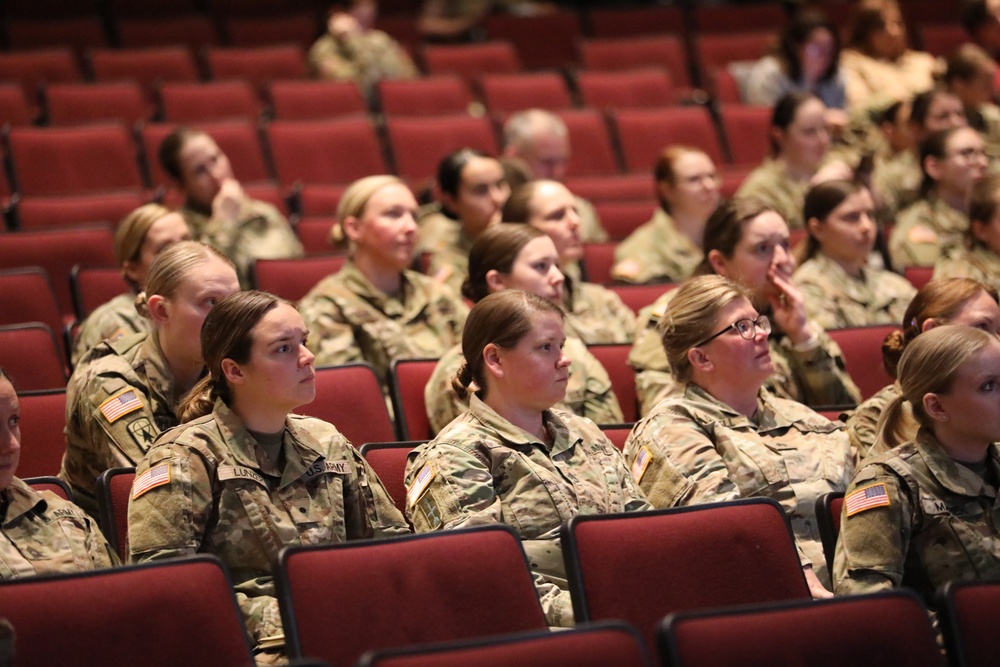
(865, 499)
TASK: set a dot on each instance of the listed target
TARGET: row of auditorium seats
(709, 585)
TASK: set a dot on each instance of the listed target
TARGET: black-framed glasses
(746, 328)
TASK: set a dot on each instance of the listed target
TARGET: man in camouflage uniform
(349, 319)
(588, 391)
(484, 470)
(813, 374)
(926, 520)
(656, 252)
(119, 399)
(349, 52)
(41, 533)
(209, 486)
(694, 449)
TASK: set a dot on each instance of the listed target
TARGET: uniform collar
(409, 302)
(20, 499)
(515, 436)
(957, 479)
(766, 418)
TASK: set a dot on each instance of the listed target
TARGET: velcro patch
(419, 485)
(867, 498)
(152, 478)
(120, 405)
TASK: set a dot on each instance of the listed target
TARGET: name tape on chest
(867, 498)
(226, 473)
(120, 405)
(640, 464)
(419, 485)
(152, 478)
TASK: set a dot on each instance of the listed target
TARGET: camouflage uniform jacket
(349, 319)
(896, 181)
(694, 449)
(862, 423)
(262, 233)
(595, 314)
(118, 400)
(929, 520)
(835, 299)
(111, 320)
(924, 231)
(203, 488)
(365, 58)
(445, 247)
(483, 470)
(873, 81)
(40, 533)
(979, 263)
(656, 252)
(770, 184)
(588, 392)
(814, 376)
(591, 229)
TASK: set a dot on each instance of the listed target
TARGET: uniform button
(302, 509)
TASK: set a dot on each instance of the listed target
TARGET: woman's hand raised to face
(788, 308)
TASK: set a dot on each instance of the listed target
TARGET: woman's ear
(718, 263)
(933, 407)
(929, 324)
(699, 359)
(157, 307)
(232, 371)
(495, 281)
(352, 228)
(814, 226)
(933, 167)
(492, 360)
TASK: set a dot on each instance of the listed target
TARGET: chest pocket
(316, 504)
(43, 545)
(533, 499)
(957, 540)
(754, 467)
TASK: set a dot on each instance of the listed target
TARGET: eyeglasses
(746, 328)
(968, 153)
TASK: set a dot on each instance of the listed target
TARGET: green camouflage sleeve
(440, 399)
(458, 494)
(600, 403)
(871, 549)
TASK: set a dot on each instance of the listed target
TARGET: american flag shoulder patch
(120, 404)
(152, 478)
(420, 483)
(640, 464)
(866, 498)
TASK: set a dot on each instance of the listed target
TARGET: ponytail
(198, 402)
(460, 383)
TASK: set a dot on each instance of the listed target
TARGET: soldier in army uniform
(375, 309)
(594, 314)
(217, 209)
(723, 436)
(139, 238)
(840, 288)
(40, 533)
(748, 242)
(242, 477)
(124, 392)
(513, 457)
(979, 255)
(926, 512)
(948, 301)
(515, 256)
(953, 161)
(471, 191)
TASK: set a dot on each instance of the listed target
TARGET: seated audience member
(42, 533)
(950, 301)
(877, 64)
(520, 257)
(514, 457)
(668, 247)
(456, 20)
(971, 77)
(724, 436)
(217, 209)
(123, 393)
(539, 140)
(978, 257)
(840, 288)
(981, 19)
(241, 476)
(807, 59)
(799, 142)
(375, 309)
(349, 51)
(747, 241)
(140, 237)
(594, 314)
(953, 161)
(922, 514)
(471, 191)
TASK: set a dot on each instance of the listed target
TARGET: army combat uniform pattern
(656, 252)
(835, 299)
(862, 423)
(111, 320)
(925, 231)
(207, 487)
(365, 58)
(349, 319)
(915, 517)
(445, 246)
(588, 392)
(262, 232)
(595, 314)
(979, 263)
(694, 449)
(770, 184)
(44, 534)
(118, 400)
(484, 470)
(814, 375)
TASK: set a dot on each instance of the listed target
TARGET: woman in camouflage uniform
(926, 512)
(979, 255)
(514, 457)
(40, 533)
(242, 477)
